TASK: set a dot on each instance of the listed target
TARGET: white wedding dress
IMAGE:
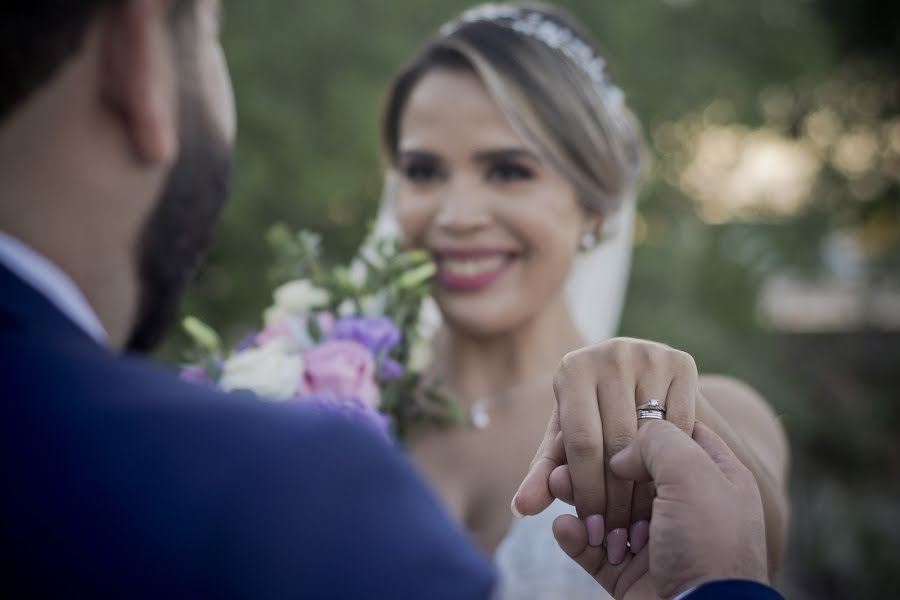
(530, 564)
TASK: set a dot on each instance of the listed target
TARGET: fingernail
(515, 511)
(616, 545)
(638, 536)
(596, 529)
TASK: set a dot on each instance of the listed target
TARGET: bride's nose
(462, 207)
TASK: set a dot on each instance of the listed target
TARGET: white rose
(429, 319)
(295, 297)
(268, 372)
(346, 309)
(420, 355)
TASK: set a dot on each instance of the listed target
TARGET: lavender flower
(390, 370)
(195, 374)
(378, 334)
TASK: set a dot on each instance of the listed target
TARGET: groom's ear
(139, 78)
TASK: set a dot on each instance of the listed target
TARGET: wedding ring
(651, 410)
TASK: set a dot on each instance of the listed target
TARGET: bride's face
(501, 224)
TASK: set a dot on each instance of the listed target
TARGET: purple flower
(195, 374)
(390, 370)
(352, 409)
(379, 334)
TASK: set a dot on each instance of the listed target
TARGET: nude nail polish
(616, 546)
(639, 535)
(596, 529)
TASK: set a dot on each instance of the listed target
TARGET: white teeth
(472, 267)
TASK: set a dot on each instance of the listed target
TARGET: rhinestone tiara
(562, 39)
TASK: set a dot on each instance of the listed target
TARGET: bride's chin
(477, 317)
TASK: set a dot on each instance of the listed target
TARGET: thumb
(534, 495)
(629, 464)
(732, 468)
(660, 452)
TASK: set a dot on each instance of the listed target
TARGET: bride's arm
(752, 430)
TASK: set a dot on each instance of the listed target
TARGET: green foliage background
(310, 78)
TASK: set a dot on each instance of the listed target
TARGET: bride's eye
(508, 172)
(421, 172)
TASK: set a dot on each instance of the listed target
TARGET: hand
(598, 390)
(707, 520)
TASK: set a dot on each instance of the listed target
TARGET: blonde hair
(584, 132)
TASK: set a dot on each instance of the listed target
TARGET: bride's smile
(472, 270)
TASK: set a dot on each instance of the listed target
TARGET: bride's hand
(598, 391)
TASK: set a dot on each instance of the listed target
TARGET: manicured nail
(616, 546)
(515, 511)
(596, 528)
(638, 536)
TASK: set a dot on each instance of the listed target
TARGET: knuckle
(581, 444)
(617, 353)
(571, 364)
(684, 362)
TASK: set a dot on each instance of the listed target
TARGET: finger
(619, 416)
(642, 502)
(723, 457)
(572, 537)
(681, 398)
(534, 495)
(579, 419)
(561, 485)
(653, 384)
(664, 454)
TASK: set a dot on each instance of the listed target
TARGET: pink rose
(345, 369)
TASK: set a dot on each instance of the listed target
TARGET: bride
(514, 161)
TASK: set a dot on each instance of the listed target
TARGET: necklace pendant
(479, 415)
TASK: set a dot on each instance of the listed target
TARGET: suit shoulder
(733, 590)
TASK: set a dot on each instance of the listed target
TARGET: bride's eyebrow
(503, 154)
(418, 155)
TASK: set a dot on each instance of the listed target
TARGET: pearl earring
(588, 241)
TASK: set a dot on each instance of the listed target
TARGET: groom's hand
(707, 519)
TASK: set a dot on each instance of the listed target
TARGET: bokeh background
(768, 241)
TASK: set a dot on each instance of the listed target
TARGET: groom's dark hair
(37, 36)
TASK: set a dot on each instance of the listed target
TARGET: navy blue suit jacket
(734, 590)
(121, 481)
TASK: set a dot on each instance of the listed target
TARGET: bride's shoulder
(738, 402)
(732, 394)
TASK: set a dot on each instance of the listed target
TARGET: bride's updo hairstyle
(549, 79)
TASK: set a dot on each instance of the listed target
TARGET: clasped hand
(599, 390)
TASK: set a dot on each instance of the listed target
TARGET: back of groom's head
(116, 127)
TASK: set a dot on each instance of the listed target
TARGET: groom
(116, 127)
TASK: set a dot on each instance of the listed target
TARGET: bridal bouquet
(343, 339)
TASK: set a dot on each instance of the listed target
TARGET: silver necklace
(479, 416)
(480, 409)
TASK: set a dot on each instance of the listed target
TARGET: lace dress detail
(531, 566)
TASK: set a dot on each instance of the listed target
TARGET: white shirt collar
(48, 279)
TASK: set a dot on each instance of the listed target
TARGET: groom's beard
(180, 228)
